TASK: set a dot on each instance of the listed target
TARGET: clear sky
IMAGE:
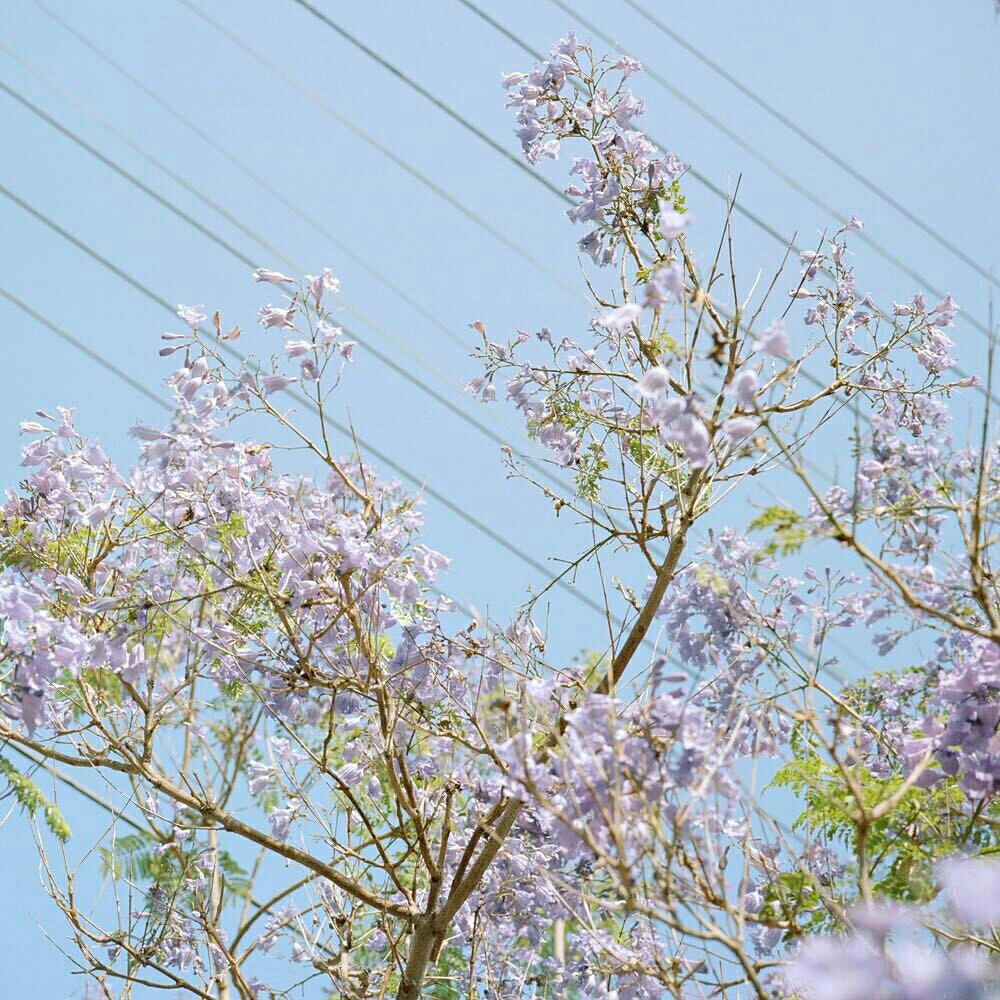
(906, 91)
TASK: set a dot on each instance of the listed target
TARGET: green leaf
(31, 799)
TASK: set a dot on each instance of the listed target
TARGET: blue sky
(906, 91)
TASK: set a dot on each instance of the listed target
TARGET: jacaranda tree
(324, 780)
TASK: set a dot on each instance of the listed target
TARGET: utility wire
(344, 429)
(540, 266)
(539, 467)
(492, 143)
(702, 179)
(442, 106)
(809, 138)
(189, 187)
(236, 162)
(733, 136)
(468, 213)
(756, 220)
(144, 390)
(79, 345)
(527, 460)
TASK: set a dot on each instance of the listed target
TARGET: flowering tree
(322, 777)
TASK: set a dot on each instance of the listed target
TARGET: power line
(431, 185)
(345, 430)
(260, 239)
(812, 140)
(383, 358)
(492, 143)
(225, 214)
(236, 222)
(539, 467)
(756, 220)
(238, 164)
(140, 387)
(386, 151)
(442, 106)
(735, 137)
(79, 345)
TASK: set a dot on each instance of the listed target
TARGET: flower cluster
(575, 95)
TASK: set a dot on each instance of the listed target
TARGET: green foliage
(788, 530)
(674, 195)
(590, 466)
(794, 897)
(901, 848)
(31, 799)
(647, 457)
(134, 857)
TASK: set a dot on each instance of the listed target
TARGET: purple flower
(738, 428)
(653, 382)
(281, 819)
(271, 277)
(320, 283)
(296, 348)
(627, 66)
(269, 316)
(192, 315)
(259, 776)
(743, 388)
(672, 223)
(618, 319)
(973, 887)
(774, 340)
(828, 969)
(275, 383)
(663, 281)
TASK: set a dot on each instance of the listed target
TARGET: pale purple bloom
(329, 333)
(96, 514)
(259, 776)
(269, 316)
(320, 283)
(829, 969)
(18, 602)
(663, 281)
(618, 319)
(738, 428)
(144, 433)
(653, 382)
(973, 886)
(296, 348)
(192, 315)
(271, 277)
(275, 383)
(628, 66)
(945, 311)
(281, 819)
(284, 750)
(743, 387)
(671, 222)
(774, 340)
